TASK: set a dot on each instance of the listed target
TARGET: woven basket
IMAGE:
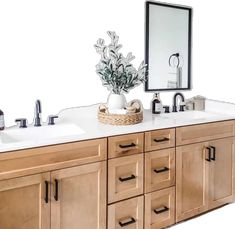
(119, 119)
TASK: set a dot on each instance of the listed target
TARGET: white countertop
(89, 128)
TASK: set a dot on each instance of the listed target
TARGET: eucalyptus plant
(116, 71)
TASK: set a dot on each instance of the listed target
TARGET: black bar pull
(161, 170)
(161, 139)
(127, 146)
(56, 196)
(123, 179)
(46, 191)
(209, 154)
(127, 222)
(213, 158)
(161, 210)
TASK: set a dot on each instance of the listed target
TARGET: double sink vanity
(80, 173)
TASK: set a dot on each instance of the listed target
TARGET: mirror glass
(168, 47)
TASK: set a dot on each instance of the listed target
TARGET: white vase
(116, 101)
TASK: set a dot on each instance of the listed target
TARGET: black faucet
(178, 94)
(38, 111)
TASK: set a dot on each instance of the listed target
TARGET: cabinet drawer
(125, 177)
(125, 145)
(36, 160)
(204, 132)
(159, 139)
(159, 169)
(126, 214)
(160, 209)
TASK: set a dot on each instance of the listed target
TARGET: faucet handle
(22, 121)
(51, 119)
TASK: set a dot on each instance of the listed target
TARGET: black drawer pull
(127, 146)
(209, 154)
(123, 179)
(126, 223)
(46, 193)
(161, 139)
(56, 196)
(213, 158)
(161, 170)
(161, 210)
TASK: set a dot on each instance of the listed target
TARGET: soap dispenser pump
(156, 104)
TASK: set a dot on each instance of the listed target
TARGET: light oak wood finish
(191, 180)
(160, 208)
(125, 177)
(221, 173)
(127, 214)
(125, 145)
(204, 132)
(22, 204)
(81, 197)
(43, 159)
(159, 139)
(159, 169)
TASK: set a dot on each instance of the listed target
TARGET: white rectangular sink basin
(36, 134)
(188, 115)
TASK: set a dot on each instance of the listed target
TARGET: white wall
(46, 51)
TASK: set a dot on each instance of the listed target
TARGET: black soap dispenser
(2, 122)
(156, 104)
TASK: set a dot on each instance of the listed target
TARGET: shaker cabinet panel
(204, 132)
(126, 214)
(221, 172)
(191, 180)
(78, 197)
(159, 169)
(160, 208)
(159, 139)
(125, 177)
(24, 202)
(125, 145)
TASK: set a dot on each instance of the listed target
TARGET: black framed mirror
(168, 47)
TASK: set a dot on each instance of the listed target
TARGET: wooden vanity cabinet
(24, 203)
(78, 197)
(204, 177)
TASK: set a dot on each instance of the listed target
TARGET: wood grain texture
(124, 211)
(121, 168)
(158, 200)
(221, 182)
(155, 161)
(82, 197)
(22, 204)
(204, 132)
(192, 171)
(43, 159)
(135, 141)
(152, 136)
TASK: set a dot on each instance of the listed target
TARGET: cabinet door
(191, 180)
(221, 172)
(23, 202)
(78, 197)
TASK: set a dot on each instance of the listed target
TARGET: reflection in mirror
(168, 47)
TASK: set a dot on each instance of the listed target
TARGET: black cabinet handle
(161, 170)
(209, 154)
(161, 210)
(46, 191)
(56, 196)
(123, 179)
(161, 139)
(126, 223)
(127, 146)
(213, 158)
